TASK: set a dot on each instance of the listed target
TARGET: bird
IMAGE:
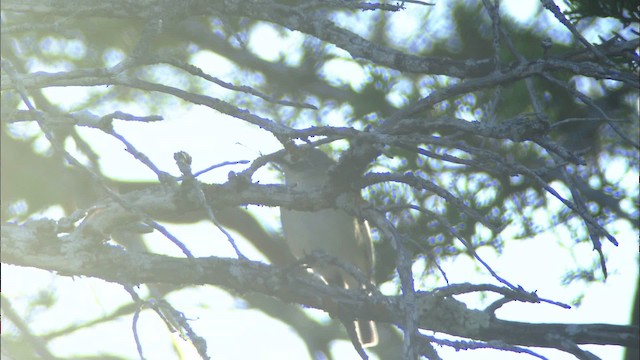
(332, 231)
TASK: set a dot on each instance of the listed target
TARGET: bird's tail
(367, 333)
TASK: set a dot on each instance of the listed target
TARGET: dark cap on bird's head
(305, 167)
(305, 159)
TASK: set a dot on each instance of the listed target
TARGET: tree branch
(23, 245)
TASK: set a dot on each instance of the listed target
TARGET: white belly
(332, 231)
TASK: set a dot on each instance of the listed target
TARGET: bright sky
(222, 319)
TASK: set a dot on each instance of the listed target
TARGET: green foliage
(626, 11)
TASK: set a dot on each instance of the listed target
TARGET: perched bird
(332, 231)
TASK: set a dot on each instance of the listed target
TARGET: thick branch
(41, 248)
